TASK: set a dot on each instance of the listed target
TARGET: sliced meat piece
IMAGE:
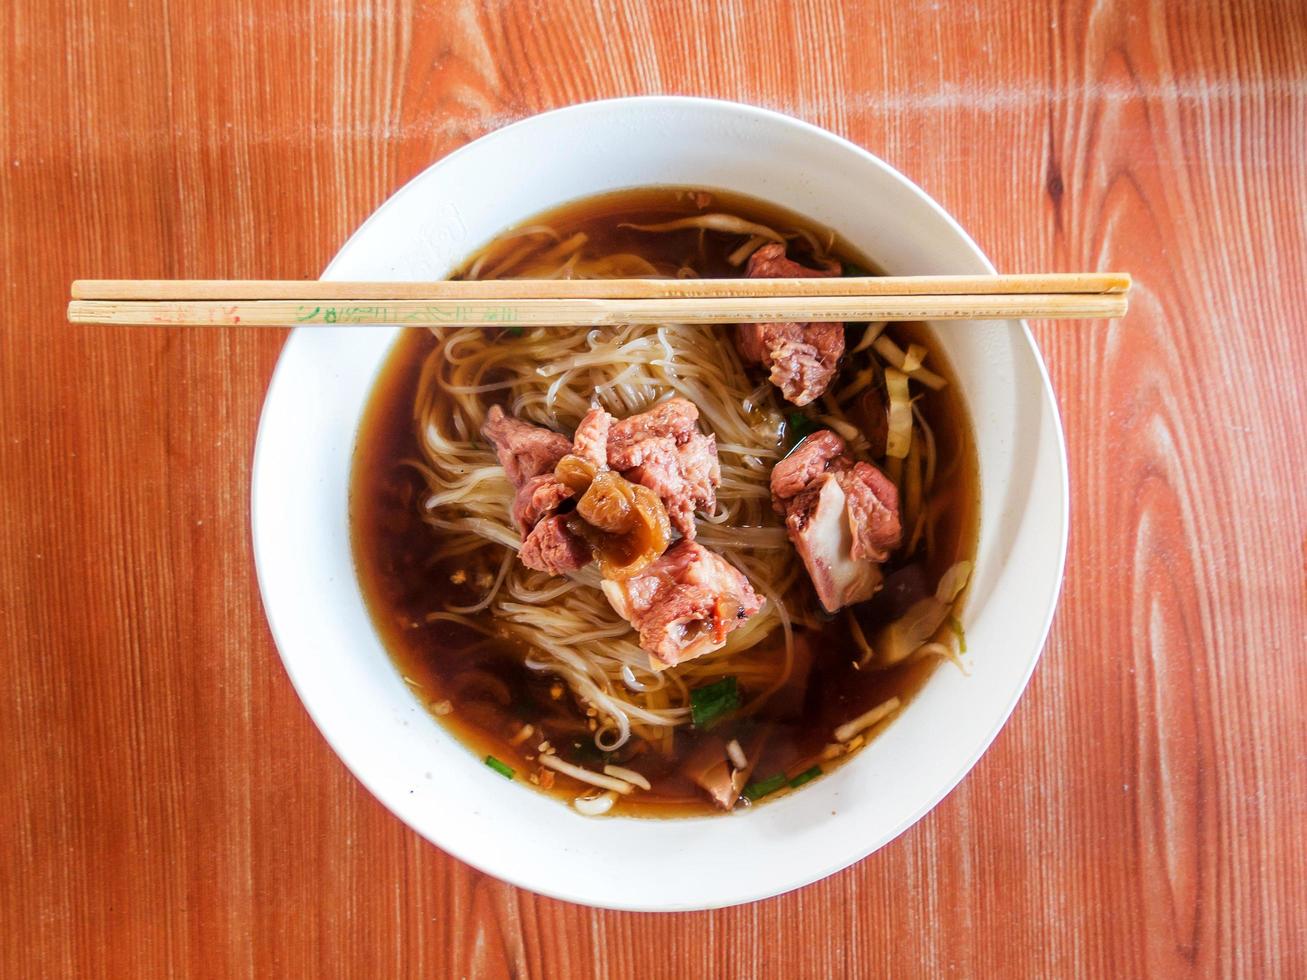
(663, 449)
(537, 498)
(524, 450)
(807, 461)
(818, 525)
(551, 547)
(701, 470)
(591, 439)
(769, 262)
(873, 505)
(751, 344)
(685, 477)
(684, 604)
(801, 357)
(841, 515)
(676, 418)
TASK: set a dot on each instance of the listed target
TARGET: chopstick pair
(595, 302)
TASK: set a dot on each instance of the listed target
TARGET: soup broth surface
(476, 681)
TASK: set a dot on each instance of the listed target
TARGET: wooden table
(167, 805)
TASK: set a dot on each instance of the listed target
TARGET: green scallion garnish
(515, 331)
(756, 791)
(713, 702)
(955, 625)
(853, 269)
(499, 767)
(807, 776)
(798, 426)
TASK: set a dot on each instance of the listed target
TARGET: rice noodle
(552, 378)
(630, 775)
(585, 775)
(751, 245)
(729, 223)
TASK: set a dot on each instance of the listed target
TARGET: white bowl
(438, 787)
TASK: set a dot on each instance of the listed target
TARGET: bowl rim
(1046, 392)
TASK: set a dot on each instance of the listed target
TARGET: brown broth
(403, 575)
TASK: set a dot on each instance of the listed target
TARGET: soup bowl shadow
(415, 767)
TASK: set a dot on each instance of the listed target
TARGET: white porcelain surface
(439, 788)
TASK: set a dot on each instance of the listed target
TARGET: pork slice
(801, 358)
(872, 501)
(551, 547)
(676, 419)
(591, 439)
(663, 449)
(684, 604)
(750, 342)
(807, 461)
(701, 469)
(818, 525)
(537, 498)
(524, 450)
(804, 362)
(769, 262)
(678, 624)
(841, 515)
(684, 477)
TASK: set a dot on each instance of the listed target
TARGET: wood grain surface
(166, 805)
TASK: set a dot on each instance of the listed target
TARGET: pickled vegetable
(609, 503)
(575, 472)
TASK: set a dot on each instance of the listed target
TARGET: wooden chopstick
(159, 290)
(595, 302)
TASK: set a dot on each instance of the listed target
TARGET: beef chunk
(591, 439)
(551, 547)
(801, 357)
(842, 517)
(663, 449)
(807, 461)
(872, 501)
(524, 450)
(684, 604)
(537, 498)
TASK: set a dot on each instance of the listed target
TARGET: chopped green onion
(798, 427)
(853, 269)
(756, 791)
(499, 767)
(807, 776)
(515, 331)
(712, 702)
(955, 625)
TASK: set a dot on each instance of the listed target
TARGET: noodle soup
(538, 673)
